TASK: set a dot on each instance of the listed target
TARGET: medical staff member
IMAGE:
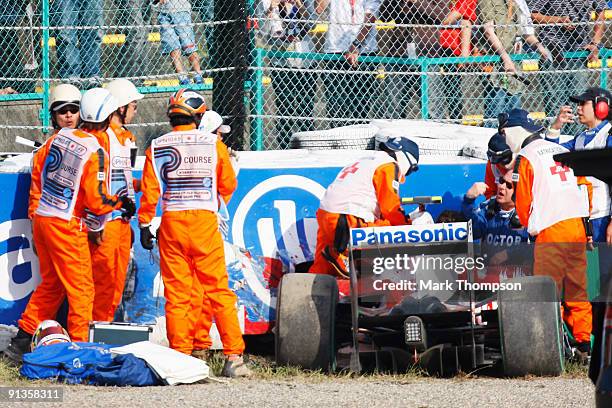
(365, 193)
(552, 204)
(64, 102)
(73, 191)
(500, 161)
(110, 247)
(189, 169)
(594, 113)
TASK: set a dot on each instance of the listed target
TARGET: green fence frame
(422, 62)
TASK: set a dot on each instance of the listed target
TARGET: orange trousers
(325, 237)
(202, 322)
(191, 248)
(110, 262)
(65, 269)
(560, 252)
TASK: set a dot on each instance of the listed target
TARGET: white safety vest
(62, 171)
(555, 191)
(185, 164)
(601, 190)
(120, 182)
(352, 192)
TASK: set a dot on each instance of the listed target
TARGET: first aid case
(118, 334)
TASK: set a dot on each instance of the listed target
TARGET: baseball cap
(520, 118)
(590, 94)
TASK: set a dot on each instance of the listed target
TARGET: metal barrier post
(44, 114)
(257, 132)
(424, 89)
(603, 75)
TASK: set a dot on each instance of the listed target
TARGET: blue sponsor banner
(272, 215)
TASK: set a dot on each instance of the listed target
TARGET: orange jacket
(387, 196)
(38, 162)
(490, 179)
(93, 193)
(524, 198)
(226, 180)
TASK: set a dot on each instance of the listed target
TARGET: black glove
(128, 207)
(146, 238)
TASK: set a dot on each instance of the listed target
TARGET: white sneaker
(235, 367)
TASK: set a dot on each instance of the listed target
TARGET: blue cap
(497, 143)
(519, 118)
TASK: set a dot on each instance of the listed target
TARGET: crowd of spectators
(354, 86)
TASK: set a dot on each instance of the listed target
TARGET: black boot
(20, 345)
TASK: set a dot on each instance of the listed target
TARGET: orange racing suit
(63, 188)
(190, 244)
(559, 252)
(383, 184)
(111, 258)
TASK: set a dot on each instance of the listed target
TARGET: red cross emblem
(348, 170)
(560, 170)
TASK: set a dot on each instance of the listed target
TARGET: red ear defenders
(602, 107)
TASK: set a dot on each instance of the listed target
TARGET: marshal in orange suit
(363, 194)
(189, 169)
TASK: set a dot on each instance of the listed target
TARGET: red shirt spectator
(459, 10)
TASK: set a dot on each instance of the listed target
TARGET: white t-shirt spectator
(345, 21)
(174, 6)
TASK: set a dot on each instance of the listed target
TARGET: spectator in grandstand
(551, 203)
(593, 112)
(132, 59)
(79, 49)
(294, 90)
(570, 33)
(506, 24)
(403, 92)
(364, 194)
(494, 221)
(18, 54)
(177, 38)
(350, 84)
(453, 42)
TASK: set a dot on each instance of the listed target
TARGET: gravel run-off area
(345, 392)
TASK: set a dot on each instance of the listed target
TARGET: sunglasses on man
(72, 109)
(508, 184)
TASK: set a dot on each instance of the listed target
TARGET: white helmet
(124, 91)
(63, 95)
(49, 332)
(97, 105)
(211, 121)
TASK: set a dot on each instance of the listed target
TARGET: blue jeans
(497, 100)
(78, 51)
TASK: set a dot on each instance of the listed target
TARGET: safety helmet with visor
(97, 104)
(64, 95)
(404, 151)
(186, 102)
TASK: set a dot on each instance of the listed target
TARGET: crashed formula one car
(420, 296)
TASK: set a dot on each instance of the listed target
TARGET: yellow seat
(473, 120)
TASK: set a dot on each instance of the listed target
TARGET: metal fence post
(424, 89)
(257, 132)
(44, 115)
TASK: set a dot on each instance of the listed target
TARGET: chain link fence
(273, 68)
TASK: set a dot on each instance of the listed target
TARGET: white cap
(97, 105)
(124, 91)
(212, 121)
(63, 95)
